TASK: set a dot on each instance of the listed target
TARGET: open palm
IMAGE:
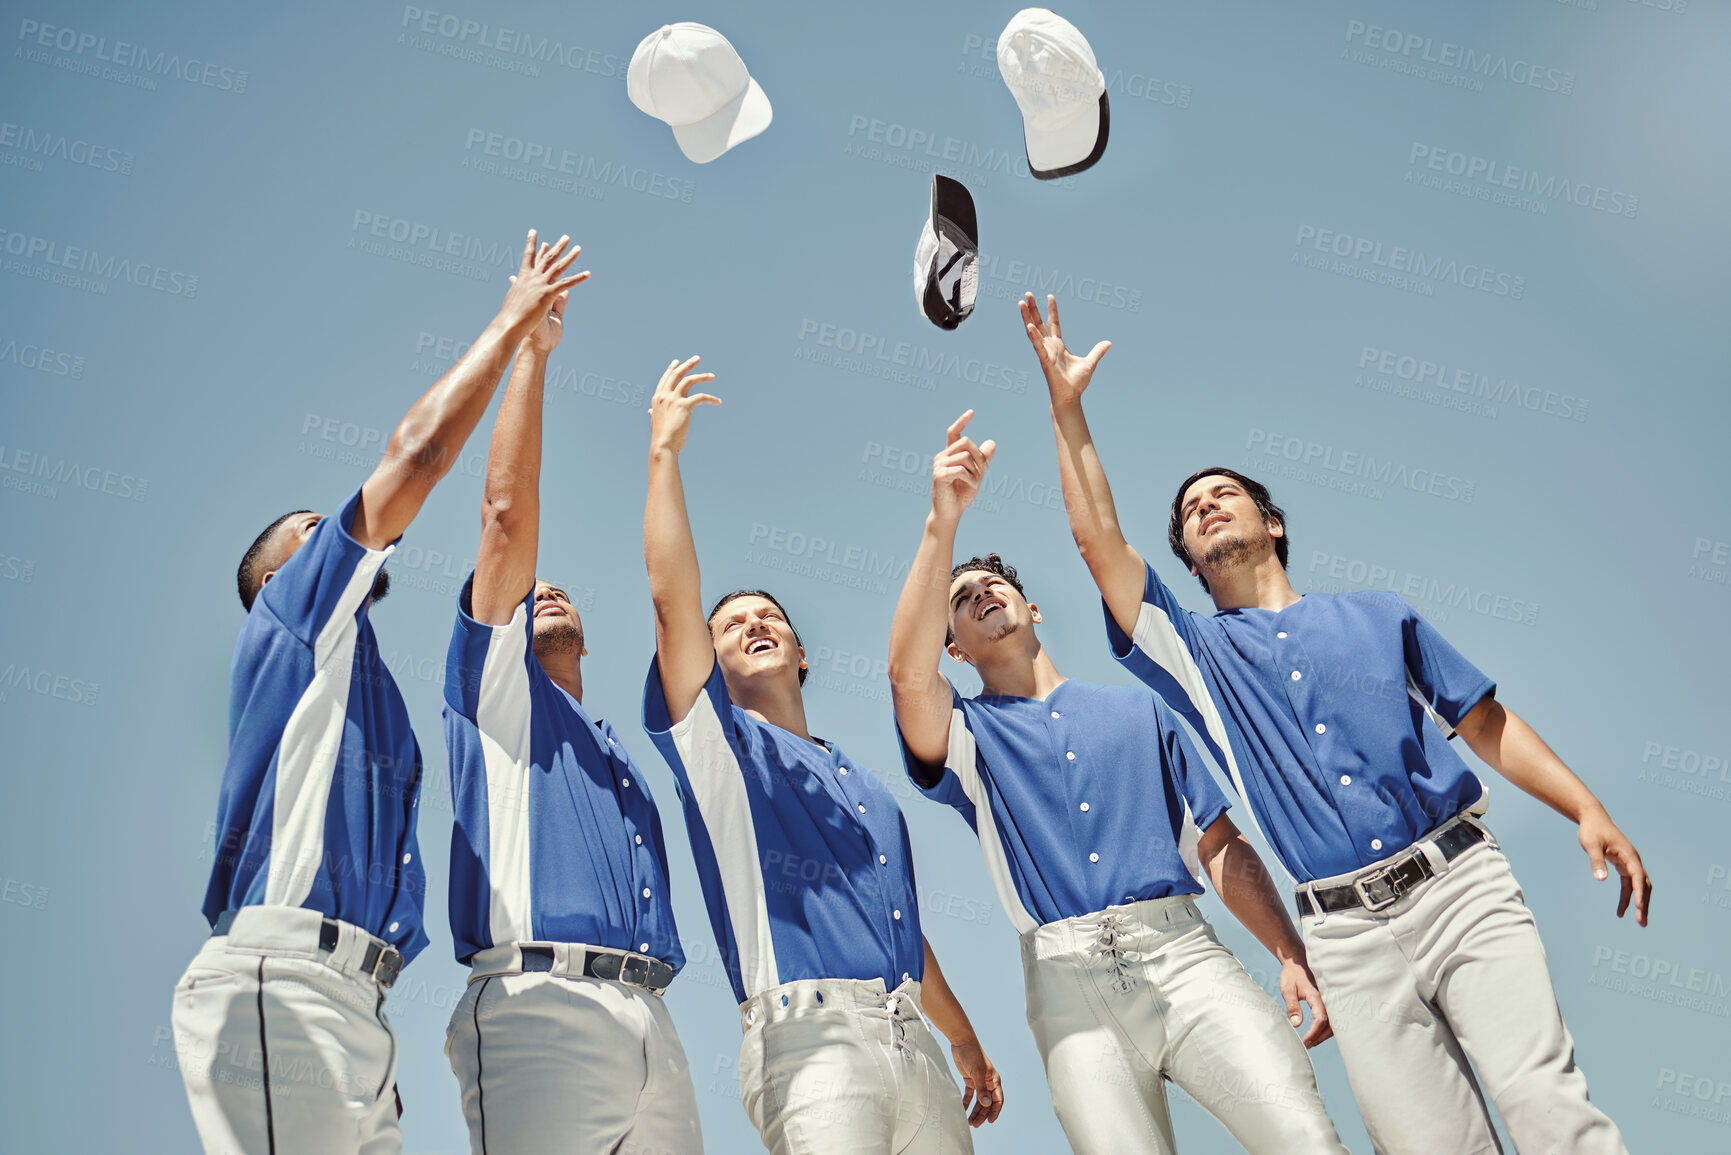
(1067, 375)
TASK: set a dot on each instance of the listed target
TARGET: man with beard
(315, 895)
(1331, 714)
(559, 892)
(805, 863)
(1096, 818)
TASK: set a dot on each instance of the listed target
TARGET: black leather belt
(382, 961)
(1383, 887)
(635, 970)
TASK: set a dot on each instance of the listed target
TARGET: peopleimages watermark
(1661, 980)
(430, 246)
(38, 474)
(1446, 62)
(1515, 186)
(823, 558)
(923, 150)
(910, 471)
(1350, 470)
(544, 165)
(134, 65)
(1704, 1097)
(87, 269)
(858, 351)
(26, 146)
(1008, 279)
(17, 569)
(1710, 561)
(26, 894)
(1705, 775)
(1397, 266)
(41, 358)
(497, 46)
(1453, 594)
(980, 59)
(435, 354)
(24, 678)
(1436, 382)
(1718, 880)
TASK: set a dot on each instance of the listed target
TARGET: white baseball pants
(551, 1061)
(1124, 999)
(1454, 971)
(843, 1067)
(285, 1048)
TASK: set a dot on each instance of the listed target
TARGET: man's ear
(956, 654)
(1275, 528)
(802, 664)
(266, 578)
(1034, 612)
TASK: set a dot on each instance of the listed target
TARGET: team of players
(1095, 813)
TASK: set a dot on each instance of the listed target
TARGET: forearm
(1248, 891)
(669, 552)
(941, 1004)
(431, 434)
(1513, 749)
(917, 632)
(511, 505)
(1087, 496)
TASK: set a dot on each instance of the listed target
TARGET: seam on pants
(480, 1096)
(264, 1048)
(390, 1064)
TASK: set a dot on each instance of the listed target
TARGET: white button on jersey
(646, 892)
(1296, 675)
(1093, 858)
(642, 946)
(640, 840)
(1281, 634)
(898, 914)
(1084, 808)
(1070, 754)
(1055, 714)
(862, 809)
(882, 861)
(406, 858)
(392, 927)
(1376, 844)
(1346, 779)
(627, 783)
(1321, 729)
(844, 769)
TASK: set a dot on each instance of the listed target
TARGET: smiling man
(806, 866)
(1096, 820)
(1332, 715)
(315, 896)
(559, 892)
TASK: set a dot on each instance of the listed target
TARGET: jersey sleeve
(702, 747)
(328, 578)
(488, 663)
(1190, 773)
(1162, 651)
(1448, 684)
(942, 783)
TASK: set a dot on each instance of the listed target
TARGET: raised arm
(980, 1080)
(511, 501)
(682, 642)
(1117, 567)
(431, 434)
(1514, 749)
(920, 693)
(1249, 893)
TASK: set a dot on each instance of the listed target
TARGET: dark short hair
(1255, 490)
(771, 599)
(250, 576)
(991, 563)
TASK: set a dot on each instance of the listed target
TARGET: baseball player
(1331, 714)
(315, 894)
(805, 862)
(1095, 818)
(559, 891)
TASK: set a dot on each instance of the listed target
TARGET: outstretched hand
(546, 336)
(1067, 375)
(540, 281)
(958, 470)
(670, 410)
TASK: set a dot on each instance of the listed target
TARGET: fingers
(1052, 317)
(528, 251)
(956, 427)
(1320, 1028)
(1095, 354)
(1636, 885)
(558, 268)
(1596, 855)
(986, 451)
(685, 382)
(704, 399)
(550, 253)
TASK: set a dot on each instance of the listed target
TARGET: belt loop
(1315, 906)
(1439, 863)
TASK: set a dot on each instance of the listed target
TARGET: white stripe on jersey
(1156, 637)
(962, 759)
(502, 718)
(311, 740)
(718, 789)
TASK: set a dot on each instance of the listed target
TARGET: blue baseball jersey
(323, 778)
(557, 838)
(1088, 798)
(1331, 717)
(804, 856)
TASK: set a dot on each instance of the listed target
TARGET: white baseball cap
(1061, 91)
(689, 76)
(947, 258)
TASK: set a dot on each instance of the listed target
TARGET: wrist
(942, 523)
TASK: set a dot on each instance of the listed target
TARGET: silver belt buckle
(634, 969)
(1361, 887)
